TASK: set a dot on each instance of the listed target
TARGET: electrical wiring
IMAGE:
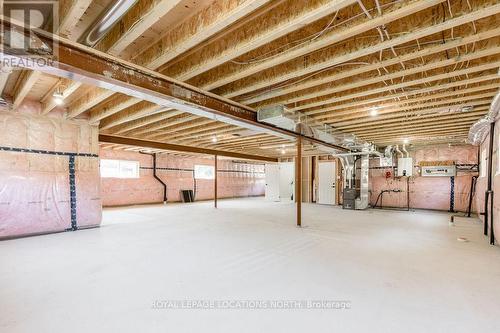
(305, 40)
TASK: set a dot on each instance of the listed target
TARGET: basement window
(119, 169)
(204, 172)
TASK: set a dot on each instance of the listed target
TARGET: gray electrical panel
(438, 171)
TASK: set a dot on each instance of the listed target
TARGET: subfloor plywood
(401, 271)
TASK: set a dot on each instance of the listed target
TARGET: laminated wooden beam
(172, 147)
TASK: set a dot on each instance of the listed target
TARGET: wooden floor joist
(115, 75)
(135, 22)
(326, 40)
(482, 12)
(300, 87)
(382, 70)
(270, 33)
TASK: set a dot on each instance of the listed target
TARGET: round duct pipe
(481, 128)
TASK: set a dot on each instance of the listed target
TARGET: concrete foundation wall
(34, 176)
(235, 179)
(427, 192)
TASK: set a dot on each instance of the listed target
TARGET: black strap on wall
(452, 194)
(72, 192)
(71, 176)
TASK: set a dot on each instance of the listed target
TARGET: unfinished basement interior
(250, 166)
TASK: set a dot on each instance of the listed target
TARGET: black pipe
(408, 193)
(490, 177)
(158, 178)
(471, 195)
(492, 232)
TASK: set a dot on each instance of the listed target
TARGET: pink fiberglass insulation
(234, 179)
(482, 181)
(427, 192)
(35, 186)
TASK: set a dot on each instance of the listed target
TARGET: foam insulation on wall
(35, 183)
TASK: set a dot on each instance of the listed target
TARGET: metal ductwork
(348, 165)
(481, 128)
(106, 21)
(280, 116)
(407, 154)
(398, 151)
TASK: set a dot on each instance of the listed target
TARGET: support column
(215, 182)
(298, 181)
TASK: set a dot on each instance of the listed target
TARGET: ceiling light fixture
(214, 139)
(406, 141)
(283, 151)
(58, 98)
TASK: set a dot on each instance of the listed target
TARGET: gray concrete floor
(400, 271)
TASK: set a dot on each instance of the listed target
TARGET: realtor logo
(20, 46)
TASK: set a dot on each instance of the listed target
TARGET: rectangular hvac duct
(277, 115)
(280, 116)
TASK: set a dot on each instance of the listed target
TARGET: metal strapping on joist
(71, 170)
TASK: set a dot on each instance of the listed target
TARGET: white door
(287, 181)
(272, 182)
(326, 183)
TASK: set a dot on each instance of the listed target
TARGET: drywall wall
(38, 194)
(483, 180)
(427, 192)
(235, 179)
